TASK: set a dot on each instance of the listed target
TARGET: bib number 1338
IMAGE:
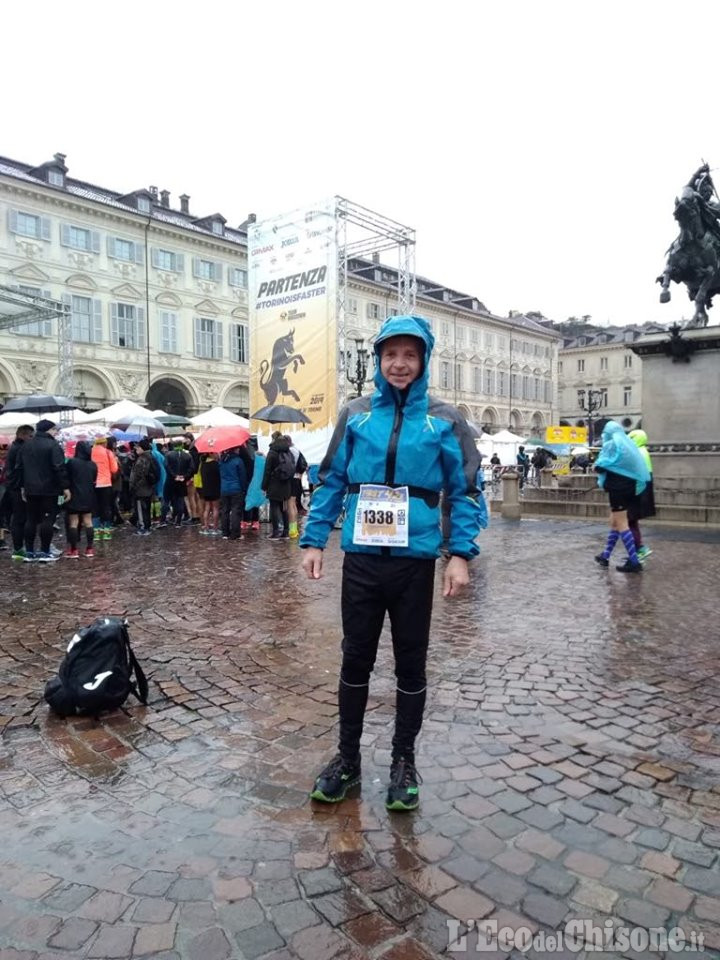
(382, 516)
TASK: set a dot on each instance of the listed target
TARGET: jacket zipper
(394, 438)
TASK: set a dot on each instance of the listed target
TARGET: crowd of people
(102, 485)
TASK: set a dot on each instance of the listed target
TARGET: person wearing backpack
(82, 474)
(143, 478)
(236, 468)
(277, 484)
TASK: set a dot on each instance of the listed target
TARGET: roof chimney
(251, 218)
(376, 258)
(60, 157)
(164, 198)
(154, 192)
(184, 203)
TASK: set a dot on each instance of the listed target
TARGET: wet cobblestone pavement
(570, 756)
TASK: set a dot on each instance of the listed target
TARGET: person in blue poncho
(389, 458)
(623, 474)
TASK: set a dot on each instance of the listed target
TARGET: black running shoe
(629, 567)
(603, 561)
(333, 783)
(403, 790)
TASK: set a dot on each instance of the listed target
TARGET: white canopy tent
(113, 413)
(15, 419)
(219, 417)
(504, 443)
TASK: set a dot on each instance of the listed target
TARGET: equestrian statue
(694, 257)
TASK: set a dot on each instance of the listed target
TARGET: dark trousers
(143, 511)
(105, 497)
(231, 511)
(372, 586)
(278, 516)
(18, 519)
(252, 515)
(178, 489)
(41, 512)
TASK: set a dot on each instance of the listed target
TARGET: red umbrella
(217, 439)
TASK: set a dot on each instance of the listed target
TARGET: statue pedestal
(681, 416)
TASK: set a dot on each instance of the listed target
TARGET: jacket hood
(407, 326)
(83, 450)
(639, 437)
(612, 428)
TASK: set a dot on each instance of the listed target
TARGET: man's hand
(456, 577)
(67, 495)
(312, 562)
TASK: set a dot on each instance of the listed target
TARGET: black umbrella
(279, 413)
(173, 420)
(39, 403)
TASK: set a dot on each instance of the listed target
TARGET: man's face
(401, 360)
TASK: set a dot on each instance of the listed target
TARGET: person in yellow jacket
(644, 505)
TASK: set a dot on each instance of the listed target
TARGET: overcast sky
(537, 147)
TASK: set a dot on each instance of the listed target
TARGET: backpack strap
(141, 692)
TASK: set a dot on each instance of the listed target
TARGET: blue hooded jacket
(620, 455)
(162, 477)
(400, 438)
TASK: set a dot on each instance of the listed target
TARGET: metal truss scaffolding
(18, 309)
(364, 234)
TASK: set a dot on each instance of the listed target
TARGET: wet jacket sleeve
(460, 461)
(329, 495)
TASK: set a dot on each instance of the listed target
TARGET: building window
(627, 396)
(239, 342)
(514, 385)
(628, 360)
(603, 397)
(127, 326)
(477, 379)
(29, 225)
(489, 381)
(474, 335)
(237, 277)
(501, 383)
(127, 250)
(86, 319)
(208, 338)
(501, 342)
(217, 228)
(548, 391)
(35, 328)
(445, 329)
(167, 260)
(352, 306)
(459, 377)
(526, 388)
(168, 332)
(79, 238)
(460, 334)
(56, 178)
(489, 341)
(207, 269)
(143, 205)
(538, 389)
(560, 366)
(581, 398)
(445, 375)
(373, 311)
(603, 363)
(581, 366)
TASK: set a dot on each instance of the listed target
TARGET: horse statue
(694, 257)
(273, 376)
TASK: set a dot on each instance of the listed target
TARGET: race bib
(382, 516)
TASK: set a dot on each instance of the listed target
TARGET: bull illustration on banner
(273, 375)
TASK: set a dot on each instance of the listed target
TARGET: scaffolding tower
(18, 308)
(364, 234)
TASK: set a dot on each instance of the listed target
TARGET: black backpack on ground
(285, 467)
(97, 671)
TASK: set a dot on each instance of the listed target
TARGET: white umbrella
(219, 417)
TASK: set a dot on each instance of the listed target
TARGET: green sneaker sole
(323, 798)
(399, 805)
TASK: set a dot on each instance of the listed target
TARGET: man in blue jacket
(391, 454)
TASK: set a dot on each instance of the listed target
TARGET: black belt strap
(431, 497)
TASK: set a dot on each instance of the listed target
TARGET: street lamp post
(590, 400)
(362, 357)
